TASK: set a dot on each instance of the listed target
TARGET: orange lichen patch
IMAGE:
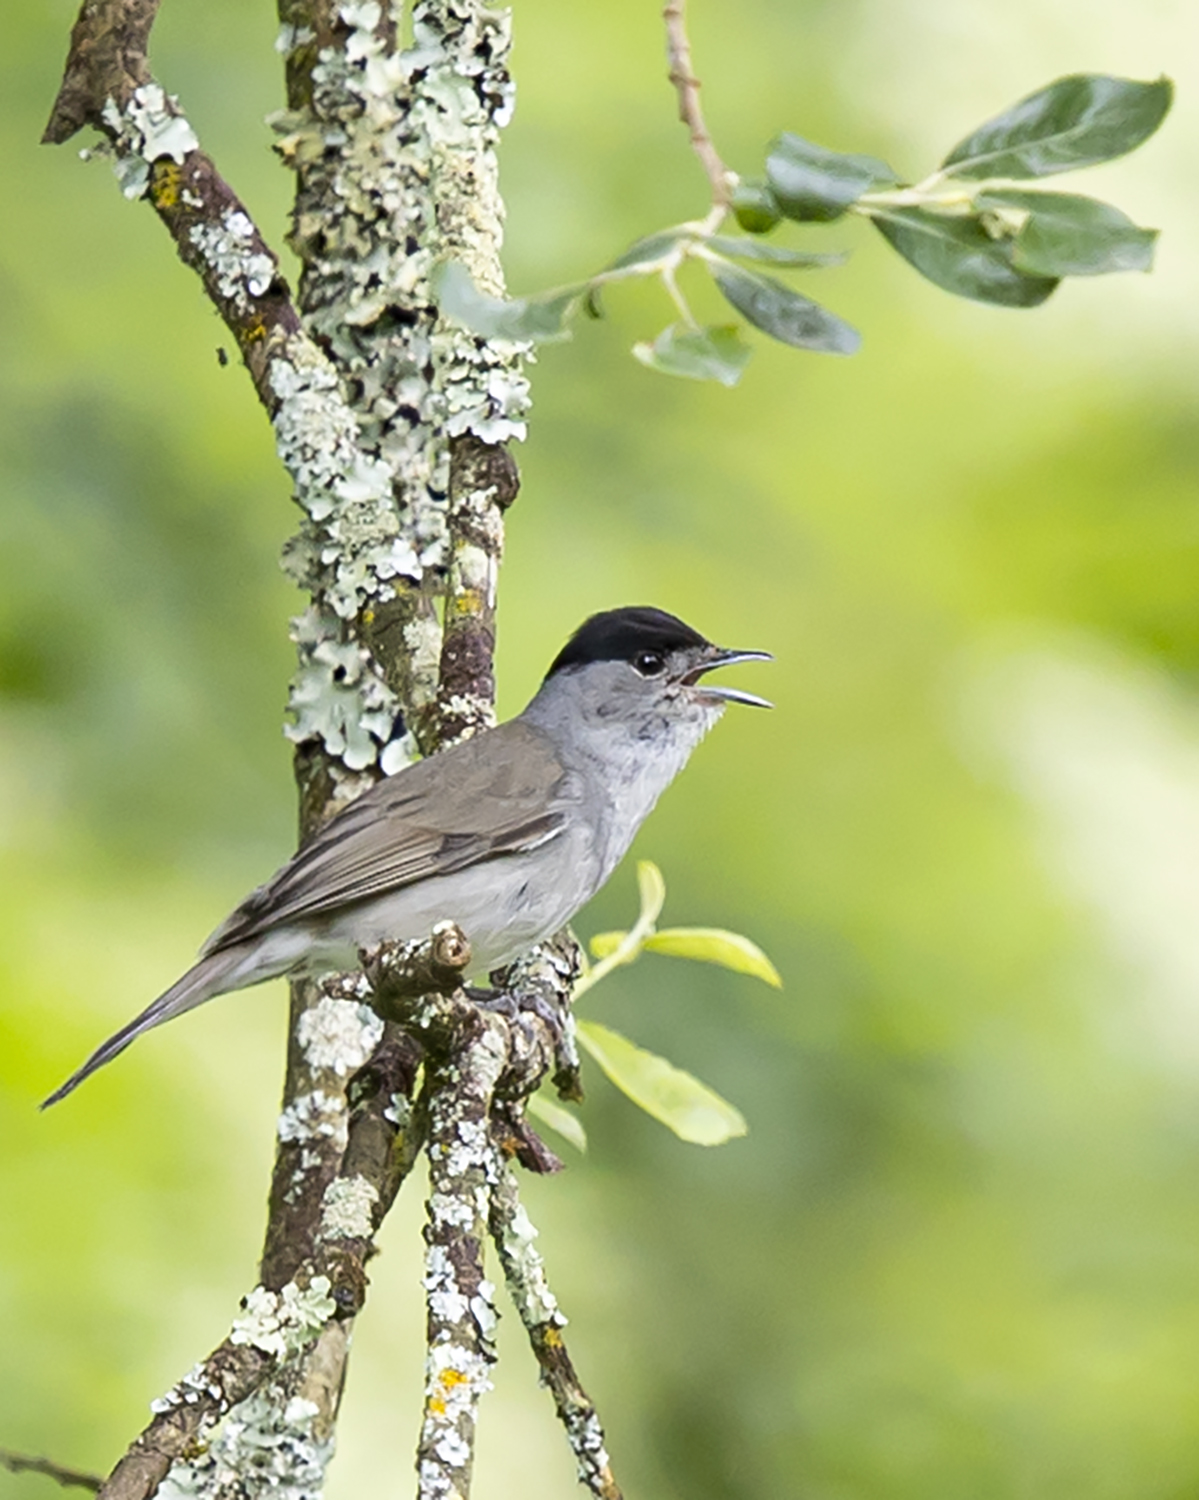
(255, 331)
(551, 1338)
(166, 180)
(451, 1378)
(437, 1406)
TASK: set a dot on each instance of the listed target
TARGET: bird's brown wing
(501, 792)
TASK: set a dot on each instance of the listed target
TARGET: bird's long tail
(213, 975)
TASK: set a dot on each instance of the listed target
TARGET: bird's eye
(649, 663)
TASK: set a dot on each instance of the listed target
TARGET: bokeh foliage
(957, 1252)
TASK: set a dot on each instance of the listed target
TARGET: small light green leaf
(652, 889)
(604, 943)
(777, 255)
(1074, 122)
(713, 353)
(712, 945)
(755, 207)
(646, 251)
(541, 318)
(784, 314)
(957, 253)
(568, 1125)
(691, 1109)
(812, 182)
(1068, 235)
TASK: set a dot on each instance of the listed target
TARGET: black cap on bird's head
(623, 634)
(647, 638)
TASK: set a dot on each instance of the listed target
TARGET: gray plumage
(508, 833)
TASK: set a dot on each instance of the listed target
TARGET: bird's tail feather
(213, 975)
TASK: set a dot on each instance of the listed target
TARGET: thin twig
(19, 1463)
(107, 84)
(524, 1270)
(682, 75)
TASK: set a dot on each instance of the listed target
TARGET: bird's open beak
(722, 658)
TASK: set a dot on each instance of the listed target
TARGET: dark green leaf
(784, 314)
(1067, 235)
(755, 207)
(644, 252)
(1075, 122)
(714, 353)
(811, 182)
(776, 255)
(959, 255)
(540, 318)
(690, 1108)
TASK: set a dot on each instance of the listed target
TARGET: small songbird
(507, 834)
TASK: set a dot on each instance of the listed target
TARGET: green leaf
(784, 314)
(651, 887)
(691, 1109)
(777, 255)
(1064, 234)
(1075, 122)
(712, 945)
(540, 318)
(604, 943)
(959, 255)
(568, 1125)
(646, 251)
(755, 207)
(713, 353)
(812, 182)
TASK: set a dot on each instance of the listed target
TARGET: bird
(507, 833)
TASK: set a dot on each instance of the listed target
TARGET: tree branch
(19, 1463)
(682, 75)
(107, 84)
(513, 1234)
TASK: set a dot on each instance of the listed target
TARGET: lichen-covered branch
(461, 1315)
(524, 1271)
(156, 154)
(682, 75)
(394, 154)
(483, 483)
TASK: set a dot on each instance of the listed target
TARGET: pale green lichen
(283, 1323)
(150, 127)
(525, 1269)
(266, 1447)
(338, 1035)
(240, 271)
(348, 1208)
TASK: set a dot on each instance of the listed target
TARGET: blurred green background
(958, 1253)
